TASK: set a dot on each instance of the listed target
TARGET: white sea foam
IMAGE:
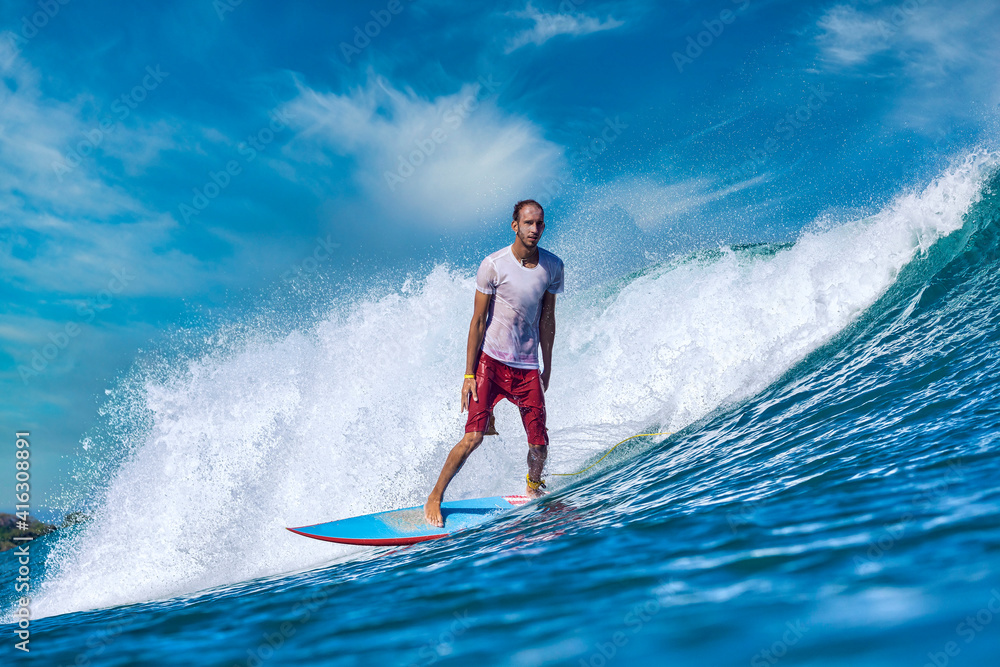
(356, 413)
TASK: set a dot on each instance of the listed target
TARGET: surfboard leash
(570, 474)
(534, 486)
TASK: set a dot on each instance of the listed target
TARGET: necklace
(524, 260)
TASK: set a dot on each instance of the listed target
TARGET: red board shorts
(521, 386)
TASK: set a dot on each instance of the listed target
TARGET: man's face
(530, 226)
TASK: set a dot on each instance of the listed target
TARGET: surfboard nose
(409, 525)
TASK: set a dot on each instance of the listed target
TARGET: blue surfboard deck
(408, 526)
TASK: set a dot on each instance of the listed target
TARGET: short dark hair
(526, 202)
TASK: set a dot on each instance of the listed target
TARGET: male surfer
(515, 311)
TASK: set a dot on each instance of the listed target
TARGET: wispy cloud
(438, 163)
(65, 229)
(850, 37)
(944, 59)
(652, 203)
(927, 38)
(548, 26)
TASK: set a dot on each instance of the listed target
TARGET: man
(514, 312)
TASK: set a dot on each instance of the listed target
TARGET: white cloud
(927, 38)
(440, 163)
(79, 255)
(548, 26)
(48, 146)
(850, 37)
(67, 231)
(139, 147)
(944, 58)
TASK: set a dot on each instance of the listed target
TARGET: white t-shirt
(512, 326)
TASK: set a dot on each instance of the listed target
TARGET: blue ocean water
(830, 494)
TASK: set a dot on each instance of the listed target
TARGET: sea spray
(355, 413)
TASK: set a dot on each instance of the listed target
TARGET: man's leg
(536, 461)
(477, 424)
(530, 401)
(456, 459)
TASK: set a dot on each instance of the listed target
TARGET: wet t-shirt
(512, 326)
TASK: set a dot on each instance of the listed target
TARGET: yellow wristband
(467, 377)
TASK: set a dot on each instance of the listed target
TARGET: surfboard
(408, 526)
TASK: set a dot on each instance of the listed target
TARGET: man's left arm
(547, 335)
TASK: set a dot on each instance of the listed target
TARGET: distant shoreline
(36, 528)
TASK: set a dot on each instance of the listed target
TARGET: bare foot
(533, 493)
(432, 512)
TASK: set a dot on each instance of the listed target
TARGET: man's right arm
(477, 330)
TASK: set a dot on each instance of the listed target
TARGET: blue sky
(160, 165)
